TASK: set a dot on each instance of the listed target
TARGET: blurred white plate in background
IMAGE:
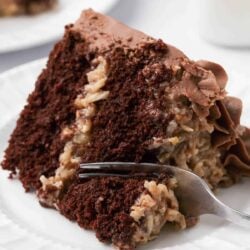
(24, 224)
(225, 22)
(22, 32)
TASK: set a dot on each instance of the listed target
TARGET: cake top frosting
(103, 32)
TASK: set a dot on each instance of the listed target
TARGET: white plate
(25, 225)
(23, 32)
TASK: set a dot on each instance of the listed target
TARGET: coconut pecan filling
(153, 209)
(79, 135)
(187, 143)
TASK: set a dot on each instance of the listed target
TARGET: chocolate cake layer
(111, 93)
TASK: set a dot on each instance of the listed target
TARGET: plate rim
(20, 67)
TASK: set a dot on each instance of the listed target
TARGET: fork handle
(231, 215)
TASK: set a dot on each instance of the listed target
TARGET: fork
(194, 195)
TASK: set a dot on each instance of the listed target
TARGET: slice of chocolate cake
(25, 7)
(111, 93)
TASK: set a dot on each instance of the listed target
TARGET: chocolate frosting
(202, 82)
(232, 138)
(218, 71)
(103, 32)
(199, 85)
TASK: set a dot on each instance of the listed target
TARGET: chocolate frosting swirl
(229, 136)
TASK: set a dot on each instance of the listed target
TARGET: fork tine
(118, 166)
(106, 164)
(111, 166)
(89, 175)
(87, 166)
(124, 168)
(120, 163)
(120, 169)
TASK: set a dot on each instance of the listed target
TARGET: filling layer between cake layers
(78, 135)
(155, 207)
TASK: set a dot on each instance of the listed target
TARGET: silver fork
(194, 195)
